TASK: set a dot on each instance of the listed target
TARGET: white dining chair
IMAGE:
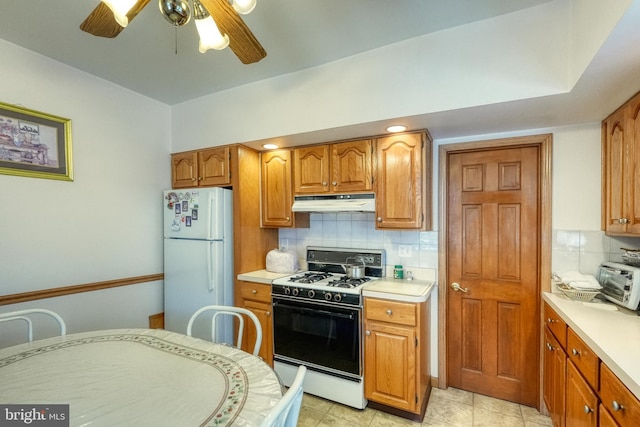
(287, 410)
(238, 312)
(22, 315)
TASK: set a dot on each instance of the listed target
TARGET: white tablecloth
(140, 377)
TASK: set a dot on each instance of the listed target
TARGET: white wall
(104, 225)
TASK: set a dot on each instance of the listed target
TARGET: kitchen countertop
(399, 290)
(613, 335)
(261, 276)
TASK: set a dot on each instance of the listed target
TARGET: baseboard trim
(77, 289)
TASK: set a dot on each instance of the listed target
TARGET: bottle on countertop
(398, 272)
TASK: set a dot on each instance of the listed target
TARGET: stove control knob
(287, 291)
(311, 293)
(327, 296)
(295, 292)
(337, 297)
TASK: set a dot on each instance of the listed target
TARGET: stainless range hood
(335, 203)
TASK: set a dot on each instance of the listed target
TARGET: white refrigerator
(198, 258)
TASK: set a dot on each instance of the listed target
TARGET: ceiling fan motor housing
(177, 12)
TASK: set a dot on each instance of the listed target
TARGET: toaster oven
(620, 284)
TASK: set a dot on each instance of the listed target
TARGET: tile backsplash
(583, 251)
(417, 251)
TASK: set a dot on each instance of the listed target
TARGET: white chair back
(22, 316)
(238, 312)
(287, 410)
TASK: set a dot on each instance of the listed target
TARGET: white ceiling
(302, 34)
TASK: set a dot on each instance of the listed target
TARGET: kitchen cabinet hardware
(616, 406)
(456, 287)
(621, 220)
(367, 333)
(587, 410)
(253, 291)
(389, 312)
(575, 352)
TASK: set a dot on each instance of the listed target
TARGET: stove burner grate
(310, 277)
(346, 282)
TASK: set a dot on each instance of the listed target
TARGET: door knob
(456, 287)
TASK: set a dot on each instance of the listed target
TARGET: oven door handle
(313, 310)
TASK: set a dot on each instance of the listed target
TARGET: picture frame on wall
(34, 144)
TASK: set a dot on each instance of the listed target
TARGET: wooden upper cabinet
(403, 191)
(344, 167)
(213, 167)
(184, 170)
(276, 189)
(351, 166)
(203, 168)
(620, 175)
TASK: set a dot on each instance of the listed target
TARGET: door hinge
(416, 342)
(416, 398)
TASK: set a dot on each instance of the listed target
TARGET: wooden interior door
(493, 239)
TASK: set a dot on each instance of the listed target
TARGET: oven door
(323, 337)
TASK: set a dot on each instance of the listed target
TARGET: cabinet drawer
(556, 325)
(400, 313)
(583, 357)
(255, 291)
(617, 399)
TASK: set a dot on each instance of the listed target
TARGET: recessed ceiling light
(270, 146)
(396, 128)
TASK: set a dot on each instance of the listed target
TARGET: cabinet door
(615, 171)
(390, 365)
(263, 313)
(184, 170)
(351, 167)
(581, 401)
(401, 185)
(276, 189)
(605, 419)
(311, 170)
(555, 363)
(213, 167)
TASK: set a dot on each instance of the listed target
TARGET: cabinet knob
(575, 352)
(616, 406)
(550, 320)
(199, 178)
(253, 291)
(367, 333)
(587, 410)
(334, 183)
(193, 179)
(288, 218)
(268, 313)
(324, 183)
(389, 312)
(549, 347)
(379, 219)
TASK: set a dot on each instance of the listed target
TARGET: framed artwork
(34, 144)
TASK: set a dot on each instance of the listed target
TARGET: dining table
(140, 377)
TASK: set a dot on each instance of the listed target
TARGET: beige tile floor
(446, 408)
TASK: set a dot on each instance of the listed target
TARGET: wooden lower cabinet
(554, 380)
(619, 403)
(605, 419)
(396, 355)
(582, 402)
(256, 297)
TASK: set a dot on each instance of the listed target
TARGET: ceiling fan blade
(241, 40)
(101, 22)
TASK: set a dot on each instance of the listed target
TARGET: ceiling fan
(218, 22)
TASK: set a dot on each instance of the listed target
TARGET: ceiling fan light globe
(210, 36)
(120, 8)
(244, 7)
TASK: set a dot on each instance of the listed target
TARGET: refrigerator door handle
(214, 266)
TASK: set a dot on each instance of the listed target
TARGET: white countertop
(613, 335)
(261, 276)
(399, 290)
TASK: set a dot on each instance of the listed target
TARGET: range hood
(335, 203)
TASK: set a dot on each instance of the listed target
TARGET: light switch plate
(404, 251)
